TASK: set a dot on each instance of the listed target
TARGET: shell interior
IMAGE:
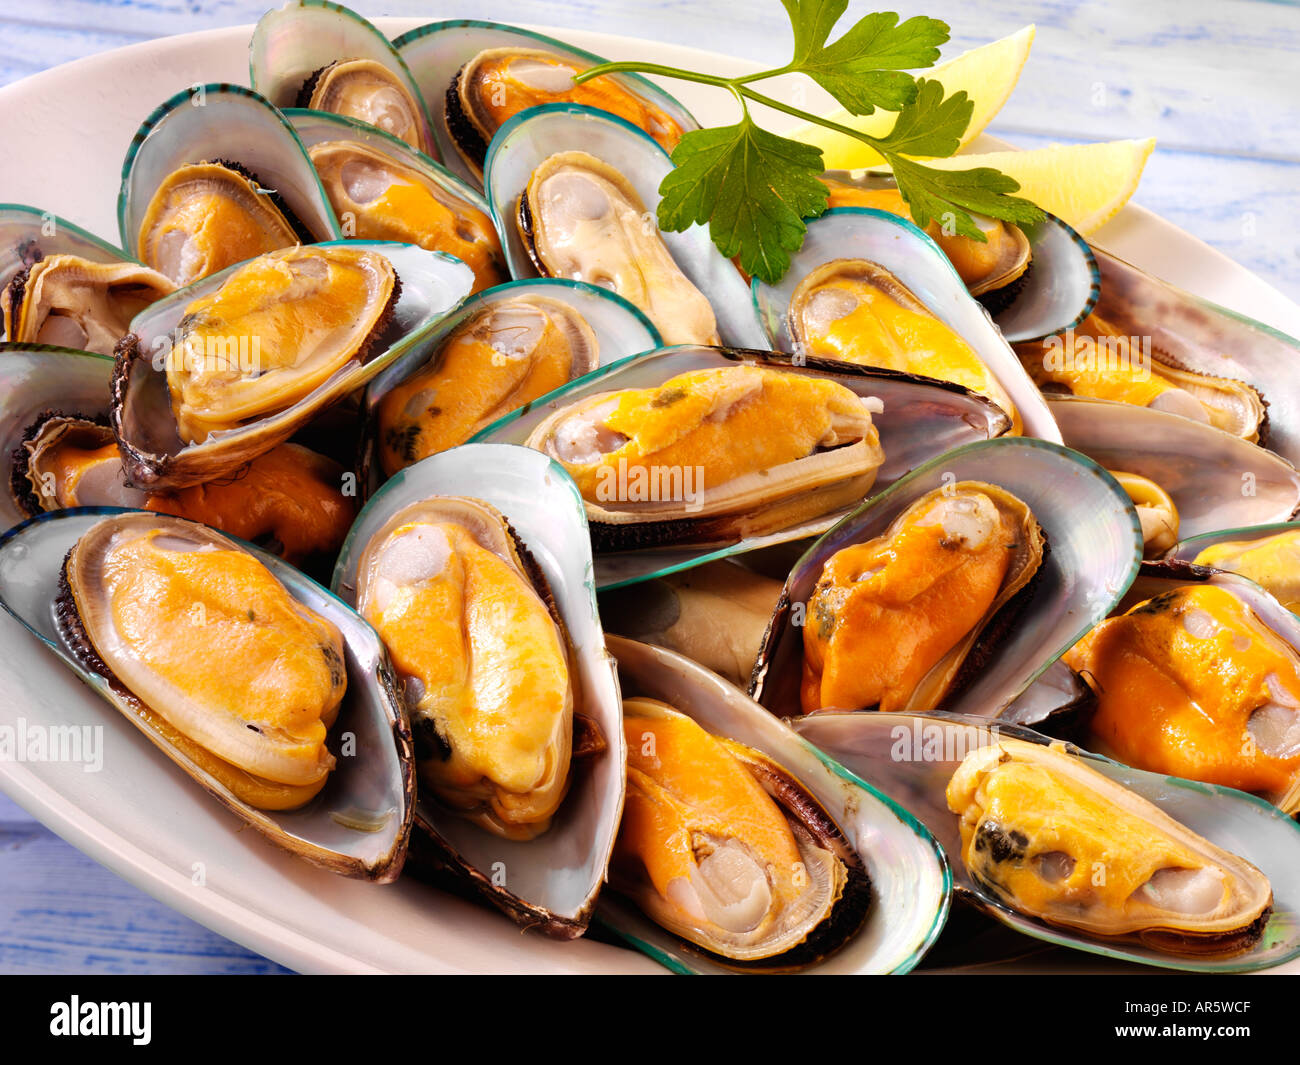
(533, 136)
(1094, 548)
(552, 880)
(908, 873)
(911, 758)
(359, 823)
(1214, 478)
(920, 418)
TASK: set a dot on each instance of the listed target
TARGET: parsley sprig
(755, 189)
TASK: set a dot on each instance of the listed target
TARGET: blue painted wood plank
(61, 912)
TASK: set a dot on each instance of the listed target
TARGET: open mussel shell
(292, 43)
(1057, 291)
(226, 122)
(550, 881)
(1198, 336)
(620, 331)
(853, 233)
(358, 825)
(359, 156)
(1214, 478)
(437, 51)
(1275, 565)
(909, 875)
(911, 758)
(1227, 714)
(1094, 547)
(63, 286)
(36, 380)
(533, 136)
(920, 418)
(154, 453)
(28, 234)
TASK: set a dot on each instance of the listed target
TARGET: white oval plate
(141, 817)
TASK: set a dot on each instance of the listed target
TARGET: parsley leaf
(931, 125)
(863, 70)
(947, 195)
(753, 189)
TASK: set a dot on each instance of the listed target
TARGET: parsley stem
(633, 67)
(777, 105)
(738, 87)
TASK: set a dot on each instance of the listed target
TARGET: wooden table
(1217, 83)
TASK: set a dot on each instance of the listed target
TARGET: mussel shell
(376, 785)
(1197, 335)
(620, 329)
(550, 882)
(35, 379)
(915, 260)
(436, 51)
(1094, 546)
(1059, 290)
(234, 123)
(1214, 478)
(28, 234)
(921, 418)
(536, 134)
(911, 758)
(155, 455)
(908, 873)
(291, 43)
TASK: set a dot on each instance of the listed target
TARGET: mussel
(482, 658)
(252, 679)
(1193, 683)
(857, 311)
(1270, 558)
(498, 83)
(581, 218)
(1052, 838)
(207, 216)
(380, 194)
(721, 845)
(510, 352)
(224, 370)
(72, 302)
(712, 455)
(898, 622)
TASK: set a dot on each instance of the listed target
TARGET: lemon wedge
(1084, 184)
(988, 74)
